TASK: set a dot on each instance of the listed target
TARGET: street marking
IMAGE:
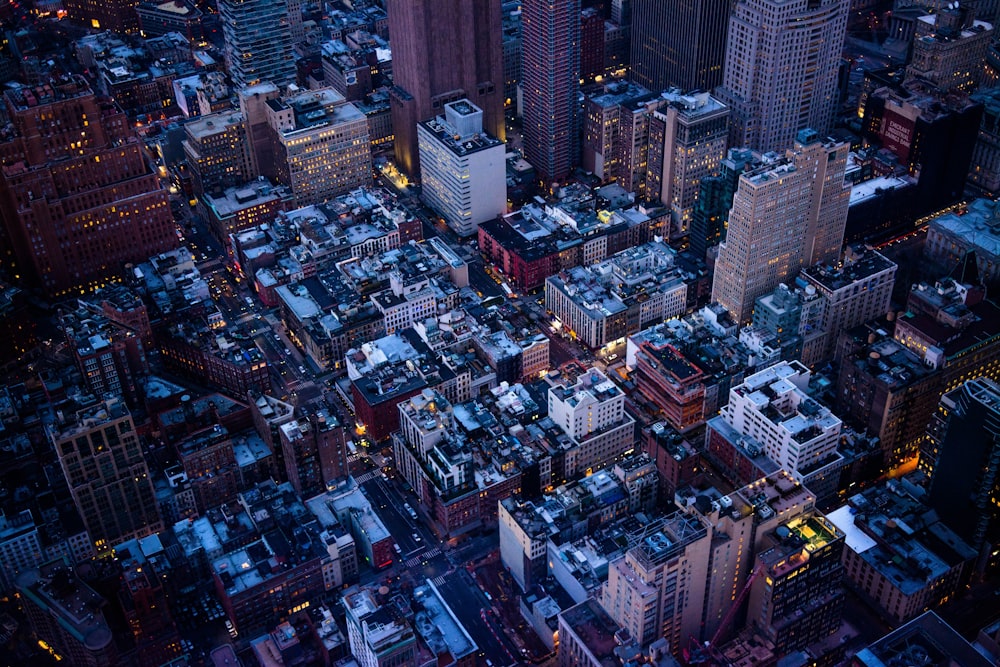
(365, 477)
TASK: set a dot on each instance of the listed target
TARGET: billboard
(897, 130)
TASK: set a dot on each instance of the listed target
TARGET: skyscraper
(65, 613)
(687, 141)
(686, 51)
(658, 588)
(550, 41)
(315, 452)
(961, 457)
(258, 42)
(100, 455)
(715, 198)
(464, 176)
(786, 214)
(321, 146)
(77, 197)
(800, 598)
(260, 144)
(442, 51)
(781, 69)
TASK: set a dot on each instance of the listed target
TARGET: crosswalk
(416, 560)
(366, 476)
(438, 580)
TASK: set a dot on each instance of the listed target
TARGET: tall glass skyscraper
(258, 40)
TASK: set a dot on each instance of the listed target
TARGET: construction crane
(697, 653)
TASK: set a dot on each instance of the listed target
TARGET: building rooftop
(243, 569)
(247, 196)
(777, 393)
(693, 105)
(777, 495)
(383, 625)
(206, 126)
(57, 89)
(899, 536)
(977, 224)
(89, 418)
(613, 285)
(56, 589)
(861, 192)
(174, 7)
(438, 625)
(349, 500)
(593, 385)
(621, 92)
(313, 110)
(595, 630)
(867, 265)
(796, 540)
(926, 640)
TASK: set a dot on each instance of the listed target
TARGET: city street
(388, 503)
(480, 281)
(560, 350)
(467, 601)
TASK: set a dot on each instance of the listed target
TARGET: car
(416, 538)
(396, 547)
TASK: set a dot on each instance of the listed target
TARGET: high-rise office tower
(797, 597)
(781, 69)
(101, 457)
(949, 48)
(442, 51)
(321, 146)
(315, 452)
(550, 71)
(591, 44)
(464, 177)
(687, 141)
(77, 198)
(658, 588)
(260, 146)
(715, 198)
(801, 439)
(295, 22)
(258, 40)
(215, 148)
(65, 613)
(679, 44)
(961, 457)
(786, 214)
